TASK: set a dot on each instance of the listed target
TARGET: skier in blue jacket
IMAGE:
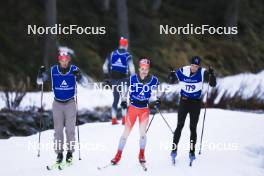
(63, 77)
(117, 67)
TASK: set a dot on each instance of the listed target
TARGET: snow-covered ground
(238, 135)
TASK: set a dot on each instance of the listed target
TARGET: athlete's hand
(124, 104)
(211, 71)
(42, 69)
(157, 104)
(172, 77)
(76, 72)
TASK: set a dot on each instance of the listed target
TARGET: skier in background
(142, 87)
(191, 79)
(63, 77)
(117, 67)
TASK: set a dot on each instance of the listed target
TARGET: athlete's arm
(125, 89)
(131, 65)
(106, 66)
(81, 78)
(210, 73)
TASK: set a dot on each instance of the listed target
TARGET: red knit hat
(123, 42)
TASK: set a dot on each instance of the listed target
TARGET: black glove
(42, 69)
(124, 105)
(157, 104)
(172, 77)
(211, 71)
(76, 72)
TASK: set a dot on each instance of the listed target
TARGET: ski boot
(69, 157)
(59, 158)
(117, 157)
(192, 157)
(123, 120)
(141, 156)
(114, 121)
(173, 156)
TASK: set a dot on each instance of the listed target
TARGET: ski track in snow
(242, 128)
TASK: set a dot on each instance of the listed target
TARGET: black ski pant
(117, 86)
(193, 107)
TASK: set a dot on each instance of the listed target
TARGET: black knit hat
(196, 60)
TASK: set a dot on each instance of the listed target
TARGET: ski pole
(40, 119)
(165, 121)
(76, 73)
(150, 122)
(205, 108)
(78, 131)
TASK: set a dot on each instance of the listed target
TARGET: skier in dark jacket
(117, 67)
(63, 77)
(191, 79)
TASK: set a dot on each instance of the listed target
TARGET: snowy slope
(247, 85)
(98, 98)
(242, 130)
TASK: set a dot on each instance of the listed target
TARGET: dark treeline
(21, 55)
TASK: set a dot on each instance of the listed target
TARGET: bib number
(190, 88)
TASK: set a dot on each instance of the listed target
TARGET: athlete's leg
(143, 123)
(182, 113)
(130, 121)
(194, 118)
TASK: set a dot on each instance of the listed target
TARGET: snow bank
(246, 85)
